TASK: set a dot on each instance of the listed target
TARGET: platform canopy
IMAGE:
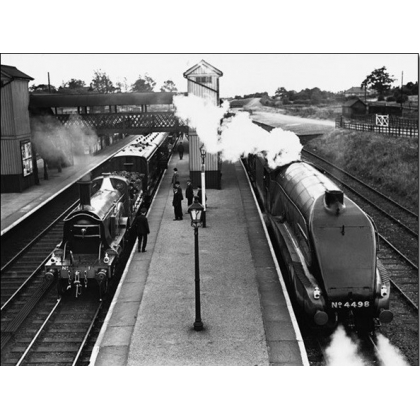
(101, 99)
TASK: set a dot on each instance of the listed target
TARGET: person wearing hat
(176, 201)
(143, 230)
(175, 177)
(189, 192)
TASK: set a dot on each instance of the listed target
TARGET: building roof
(351, 102)
(203, 63)
(100, 99)
(10, 72)
(356, 89)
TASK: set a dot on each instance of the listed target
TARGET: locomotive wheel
(332, 322)
(61, 289)
(103, 289)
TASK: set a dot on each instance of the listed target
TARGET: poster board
(26, 153)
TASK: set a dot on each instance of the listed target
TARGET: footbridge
(126, 113)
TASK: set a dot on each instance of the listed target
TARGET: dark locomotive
(96, 232)
(328, 244)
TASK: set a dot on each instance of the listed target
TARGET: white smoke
(203, 116)
(55, 142)
(239, 136)
(389, 355)
(343, 351)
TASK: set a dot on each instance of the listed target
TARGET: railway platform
(247, 315)
(15, 207)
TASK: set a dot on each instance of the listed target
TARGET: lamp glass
(195, 211)
(196, 216)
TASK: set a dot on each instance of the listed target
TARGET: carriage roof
(143, 146)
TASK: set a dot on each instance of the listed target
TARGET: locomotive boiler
(95, 233)
(328, 244)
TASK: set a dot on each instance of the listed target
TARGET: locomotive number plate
(349, 305)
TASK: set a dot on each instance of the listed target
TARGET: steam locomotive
(328, 244)
(96, 232)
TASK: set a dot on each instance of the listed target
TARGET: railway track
(56, 333)
(22, 277)
(29, 229)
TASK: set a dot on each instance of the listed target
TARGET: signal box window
(203, 79)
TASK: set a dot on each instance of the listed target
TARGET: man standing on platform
(176, 201)
(142, 230)
(175, 177)
(181, 150)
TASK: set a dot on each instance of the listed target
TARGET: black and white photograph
(215, 220)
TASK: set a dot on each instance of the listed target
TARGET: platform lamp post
(196, 213)
(203, 153)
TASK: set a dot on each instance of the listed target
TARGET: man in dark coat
(142, 229)
(181, 150)
(176, 201)
(175, 177)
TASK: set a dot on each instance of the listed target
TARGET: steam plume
(239, 136)
(342, 350)
(55, 142)
(390, 355)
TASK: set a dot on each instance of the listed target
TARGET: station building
(17, 157)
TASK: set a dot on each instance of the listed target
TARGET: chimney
(332, 197)
(334, 200)
(84, 190)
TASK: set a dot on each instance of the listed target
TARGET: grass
(389, 164)
(327, 112)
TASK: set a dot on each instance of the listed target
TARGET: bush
(402, 99)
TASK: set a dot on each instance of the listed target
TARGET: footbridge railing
(128, 123)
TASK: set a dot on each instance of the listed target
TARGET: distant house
(357, 91)
(414, 99)
(354, 107)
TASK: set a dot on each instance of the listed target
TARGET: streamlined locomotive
(96, 232)
(328, 244)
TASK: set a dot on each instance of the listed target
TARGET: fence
(401, 128)
(394, 121)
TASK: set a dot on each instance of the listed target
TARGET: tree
(281, 91)
(73, 86)
(316, 96)
(168, 86)
(101, 83)
(379, 80)
(145, 84)
(122, 86)
(42, 88)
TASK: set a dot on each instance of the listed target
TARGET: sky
(242, 73)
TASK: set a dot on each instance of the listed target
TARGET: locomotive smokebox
(84, 190)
